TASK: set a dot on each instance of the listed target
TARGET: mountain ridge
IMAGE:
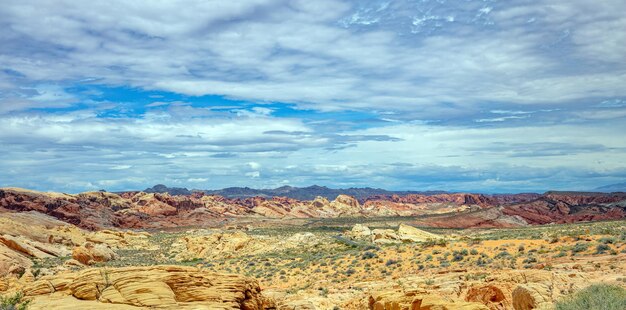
(300, 193)
(617, 187)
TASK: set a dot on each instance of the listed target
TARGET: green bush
(599, 296)
(579, 247)
(14, 302)
(503, 254)
(602, 248)
(607, 240)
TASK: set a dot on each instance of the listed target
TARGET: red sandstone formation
(95, 210)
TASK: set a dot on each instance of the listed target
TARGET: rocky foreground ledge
(169, 287)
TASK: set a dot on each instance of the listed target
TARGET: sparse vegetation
(599, 296)
(579, 247)
(14, 302)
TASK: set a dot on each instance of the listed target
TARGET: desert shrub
(579, 247)
(14, 302)
(434, 242)
(481, 262)
(391, 262)
(607, 240)
(599, 296)
(521, 248)
(474, 252)
(457, 257)
(503, 254)
(368, 255)
(553, 239)
(602, 248)
(529, 260)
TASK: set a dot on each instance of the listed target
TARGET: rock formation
(404, 233)
(98, 210)
(31, 235)
(414, 300)
(90, 254)
(156, 286)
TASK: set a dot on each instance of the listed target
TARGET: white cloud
(526, 85)
(254, 165)
(121, 167)
(292, 51)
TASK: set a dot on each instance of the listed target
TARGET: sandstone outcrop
(412, 234)
(531, 296)
(359, 231)
(404, 233)
(98, 210)
(157, 287)
(89, 253)
(411, 300)
(217, 245)
(211, 244)
(33, 235)
(489, 295)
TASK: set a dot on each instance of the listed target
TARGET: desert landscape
(313, 155)
(131, 250)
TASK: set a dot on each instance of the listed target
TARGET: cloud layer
(457, 95)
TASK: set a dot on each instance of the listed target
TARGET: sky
(483, 96)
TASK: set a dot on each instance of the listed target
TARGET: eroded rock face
(210, 244)
(384, 236)
(531, 296)
(395, 300)
(489, 295)
(90, 253)
(98, 210)
(359, 231)
(29, 235)
(156, 286)
(405, 233)
(569, 208)
(217, 245)
(412, 234)
(346, 202)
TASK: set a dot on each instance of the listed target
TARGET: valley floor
(344, 263)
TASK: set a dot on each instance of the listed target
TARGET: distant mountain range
(300, 193)
(310, 192)
(618, 187)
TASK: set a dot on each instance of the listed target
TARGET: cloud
(255, 50)
(374, 93)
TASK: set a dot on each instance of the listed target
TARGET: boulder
(411, 300)
(358, 231)
(531, 296)
(393, 300)
(384, 236)
(412, 234)
(489, 295)
(90, 254)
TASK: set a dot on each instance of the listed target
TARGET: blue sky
(488, 96)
